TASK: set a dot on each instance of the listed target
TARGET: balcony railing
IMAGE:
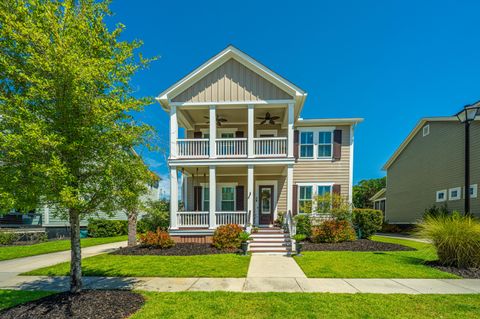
(193, 147)
(223, 218)
(193, 219)
(231, 147)
(270, 146)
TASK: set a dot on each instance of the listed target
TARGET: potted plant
(244, 238)
(255, 230)
(299, 238)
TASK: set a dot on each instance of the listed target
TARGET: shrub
(8, 238)
(157, 216)
(304, 225)
(280, 219)
(367, 221)
(158, 239)
(335, 205)
(244, 237)
(227, 236)
(299, 237)
(435, 211)
(456, 239)
(107, 228)
(333, 231)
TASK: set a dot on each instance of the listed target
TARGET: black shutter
(197, 134)
(240, 194)
(296, 139)
(239, 134)
(197, 198)
(337, 144)
(295, 200)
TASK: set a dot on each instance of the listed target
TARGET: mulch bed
(357, 245)
(184, 249)
(470, 273)
(88, 304)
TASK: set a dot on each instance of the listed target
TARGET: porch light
(469, 112)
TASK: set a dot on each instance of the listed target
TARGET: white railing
(192, 219)
(231, 147)
(193, 147)
(223, 218)
(270, 146)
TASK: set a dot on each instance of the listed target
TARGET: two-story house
(243, 152)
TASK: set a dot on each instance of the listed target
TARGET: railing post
(290, 198)
(173, 131)
(173, 197)
(213, 131)
(290, 129)
(250, 135)
(212, 189)
(250, 191)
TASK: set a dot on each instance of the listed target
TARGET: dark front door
(266, 205)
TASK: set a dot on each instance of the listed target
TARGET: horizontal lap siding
(231, 82)
(327, 171)
(429, 164)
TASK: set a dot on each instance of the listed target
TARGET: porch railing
(193, 147)
(231, 147)
(193, 219)
(270, 146)
(223, 218)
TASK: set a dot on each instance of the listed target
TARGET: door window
(266, 200)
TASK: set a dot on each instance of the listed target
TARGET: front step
(270, 240)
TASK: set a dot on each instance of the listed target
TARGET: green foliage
(158, 239)
(367, 221)
(304, 225)
(434, 211)
(334, 205)
(333, 231)
(107, 228)
(280, 219)
(227, 236)
(365, 189)
(455, 237)
(157, 216)
(8, 238)
(299, 237)
(244, 237)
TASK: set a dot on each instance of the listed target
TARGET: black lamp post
(467, 116)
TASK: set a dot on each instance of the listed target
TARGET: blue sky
(390, 62)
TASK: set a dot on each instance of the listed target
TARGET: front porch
(246, 195)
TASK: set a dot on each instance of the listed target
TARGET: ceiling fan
(268, 119)
(220, 120)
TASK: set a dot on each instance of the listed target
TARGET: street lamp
(467, 116)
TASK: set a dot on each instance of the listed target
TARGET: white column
(213, 131)
(250, 192)
(290, 129)
(173, 131)
(213, 201)
(251, 123)
(173, 197)
(290, 198)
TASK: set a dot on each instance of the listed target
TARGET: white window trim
(459, 193)
(219, 195)
(444, 191)
(331, 145)
(315, 131)
(475, 190)
(314, 193)
(273, 132)
(426, 130)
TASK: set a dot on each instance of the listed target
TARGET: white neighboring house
(244, 154)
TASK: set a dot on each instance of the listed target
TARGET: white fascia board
(328, 121)
(231, 162)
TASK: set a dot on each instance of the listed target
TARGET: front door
(266, 205)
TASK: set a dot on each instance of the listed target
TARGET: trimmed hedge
(367, 221)
(227, 236)
(333, 231)
(107, 228)
(304, 225)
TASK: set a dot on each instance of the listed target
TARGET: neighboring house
(429, 169)
(245, 155)
(378, 200)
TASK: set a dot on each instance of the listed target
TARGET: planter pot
(245, 248)
(298, 247)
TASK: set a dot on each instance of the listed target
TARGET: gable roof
(228, 53)
(413, 133)
(379, 194)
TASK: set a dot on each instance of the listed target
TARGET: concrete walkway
(403, 236)
(255, 284)
(273, 266)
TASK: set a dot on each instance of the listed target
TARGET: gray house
(428, 169)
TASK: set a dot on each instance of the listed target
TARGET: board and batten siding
(327, 171)
(231, 81)
(429, 164)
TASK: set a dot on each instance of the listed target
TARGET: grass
(11, 252)
(221, 265)
(10, 298)
(394, 264)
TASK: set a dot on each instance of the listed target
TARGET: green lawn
(221, 265)
(288, 305)
(12, 252)
(397, 264)
(10, 298)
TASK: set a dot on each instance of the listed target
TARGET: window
(323, 190)
(305, 200)
(206, 199)
(473, 191)
(455, 193)
(228, 199)
(442, 195)
(325, 144)
(227, 135)
(426, 130)
(306, 144)
(324, 200)
(206, 135)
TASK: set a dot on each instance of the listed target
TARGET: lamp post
(466, 117)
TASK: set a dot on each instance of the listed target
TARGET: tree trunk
(76, 253)
(132, 228)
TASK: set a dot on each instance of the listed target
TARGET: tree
(365, 189)
(66, 104)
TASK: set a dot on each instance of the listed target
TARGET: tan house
(428, 169)
(242, 150)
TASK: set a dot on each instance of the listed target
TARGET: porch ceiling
(237, 170)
